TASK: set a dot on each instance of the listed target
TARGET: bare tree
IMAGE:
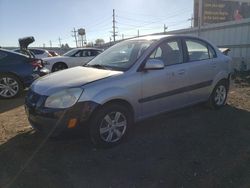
(99, 42)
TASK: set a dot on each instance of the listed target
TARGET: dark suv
(17, 71)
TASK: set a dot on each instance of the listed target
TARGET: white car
(40, 53)
(73, 58)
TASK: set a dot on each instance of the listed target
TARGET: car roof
(88, 48)
(152, 37)
(159, 37)
(12, 52)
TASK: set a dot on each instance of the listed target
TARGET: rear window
(37, 52)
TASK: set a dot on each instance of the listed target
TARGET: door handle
(181, 72)
(213, 65)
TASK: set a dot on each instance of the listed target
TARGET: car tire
(10, 86)
(109, 125)
(59, 66)
(219, 95)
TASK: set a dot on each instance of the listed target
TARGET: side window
(78, 54)
(169, 52)
(37, 52)
(86, 53)
(156, 54)
(197, 50)
(94, 52)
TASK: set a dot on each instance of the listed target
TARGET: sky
(47, 20)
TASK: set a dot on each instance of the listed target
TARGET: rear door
(164, 90)
(202, 66)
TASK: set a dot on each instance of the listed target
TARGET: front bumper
(56, 121)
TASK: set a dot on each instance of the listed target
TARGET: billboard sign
(217, 11)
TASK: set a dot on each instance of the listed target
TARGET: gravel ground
(192, 147)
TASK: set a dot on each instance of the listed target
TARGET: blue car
(17, 72)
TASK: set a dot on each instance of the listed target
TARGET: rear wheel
(109, 126)
(219, 96)
(10, 86)
(59, 66)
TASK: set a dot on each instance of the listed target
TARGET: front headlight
(64, 99)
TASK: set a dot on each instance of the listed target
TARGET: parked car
(17, 72)
(133, 80)
(75, 57)
(40, 53)
(53, 53)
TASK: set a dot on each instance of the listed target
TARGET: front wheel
(109, 125)
(59, 66)
(219, 95)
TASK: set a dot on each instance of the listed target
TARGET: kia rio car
(133, 80)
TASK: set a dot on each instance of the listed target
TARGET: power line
(155, 16)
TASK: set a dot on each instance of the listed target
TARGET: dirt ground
(192, 147)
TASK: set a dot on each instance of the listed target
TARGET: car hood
(73, 77)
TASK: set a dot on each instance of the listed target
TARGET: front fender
(110, 94)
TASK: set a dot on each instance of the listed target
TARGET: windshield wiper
(98, 66)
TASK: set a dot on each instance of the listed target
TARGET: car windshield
(70, 53)
(121, 56)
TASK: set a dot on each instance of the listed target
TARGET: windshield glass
(70, 53)
(121, 56)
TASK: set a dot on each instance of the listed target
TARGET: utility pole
(122, 36)
(75, 36)
(191, 20)
(50, 44)
(43, 45)
(60, 44)
(114, 32)
(138, 33)
(200, 17)
(165, 29)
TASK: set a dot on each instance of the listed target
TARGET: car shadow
(192, 147)
(9, 104)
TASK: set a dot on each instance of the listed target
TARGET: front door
(164, 89)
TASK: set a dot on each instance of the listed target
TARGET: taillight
(36, 64)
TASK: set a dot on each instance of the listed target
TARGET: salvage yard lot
(192, 147)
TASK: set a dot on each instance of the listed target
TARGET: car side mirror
(154, 64)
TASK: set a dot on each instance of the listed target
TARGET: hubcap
(220, 95)
(8, 87)
(113, 127)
